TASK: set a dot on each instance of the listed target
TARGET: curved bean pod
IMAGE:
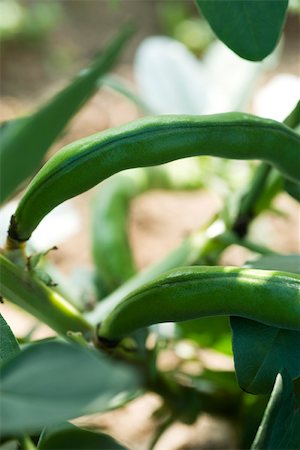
(270, 297)
(152, 141)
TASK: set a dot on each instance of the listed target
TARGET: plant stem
(188, 252)
(167, 423)
(204, 246)
(27, 443)
(27, 292)
(231, 238)
(246, 212)
(247, 206)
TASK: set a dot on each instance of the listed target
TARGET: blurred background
(173, 64)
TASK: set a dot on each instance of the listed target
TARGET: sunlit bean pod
(152, 141)
(186, 293)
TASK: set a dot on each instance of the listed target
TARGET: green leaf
(280, 427)
(10, 445)
(69, 437)
(8, 343)
(117, 84)
(250, 28)
(30, 139)
(54, 381)
(292, 189)
(285, 263)
(208, 332)
(260, 352)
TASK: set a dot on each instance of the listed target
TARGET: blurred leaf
(250, 28)
(10, 445)
(208, 332)
(171, 14)
(261, 352)
(195, 34)
(170, 78)
(40, 19)
(8, 343)
(30, 140)
(280, 427)
(8, 126)
(118, 85)
(292, 189)
(12, 17)
(215, 380)
(69, 437)
(286, 263)
(53, 381)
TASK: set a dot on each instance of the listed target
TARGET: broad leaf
(280, 427)
(54, 381)
(250, 28)
(69, 437)
(29, 139)
(8, 343)
(260, 352)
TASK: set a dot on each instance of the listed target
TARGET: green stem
(167, 423)
(258, 182)
(186, 254)
(201, 246)
(246, 212)
(27, 292)
(261, 175)
(231, 238)
(27, 443)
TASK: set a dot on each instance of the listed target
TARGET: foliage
(102, 359)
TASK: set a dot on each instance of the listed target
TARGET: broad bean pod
(186, 293)
(152, 141)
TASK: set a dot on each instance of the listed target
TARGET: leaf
(250, 28)
(54, 381)
(280, 427)
(170, 78)
(285, 263)
(10, 445)
(69, 437)
(119, 85)
(207, 332)
(260, 352)
(292, 189)
(30, 139)
(8, 343)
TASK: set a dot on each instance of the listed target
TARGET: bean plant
(106, 354)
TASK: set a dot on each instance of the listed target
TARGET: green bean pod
(186, 293)
(152, 141)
